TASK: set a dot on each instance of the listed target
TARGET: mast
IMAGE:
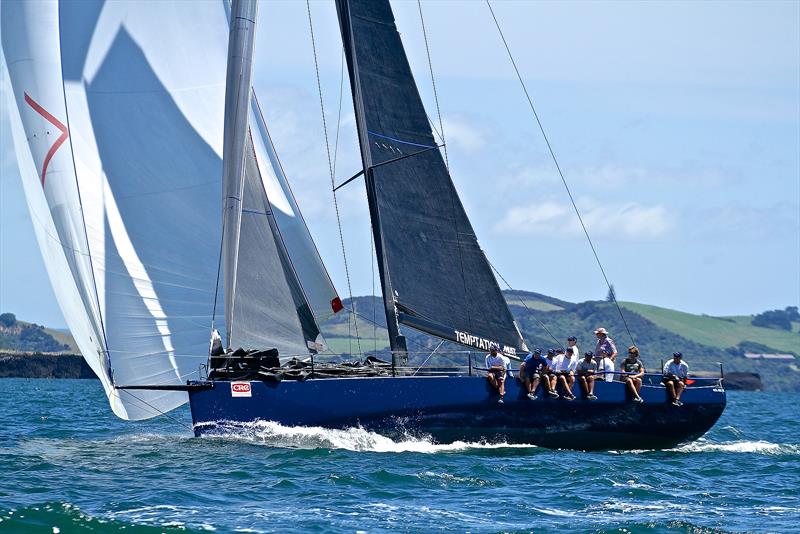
(397, 342)
(434, 274)
(241, 42)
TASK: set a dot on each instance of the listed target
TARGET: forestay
(438, 276)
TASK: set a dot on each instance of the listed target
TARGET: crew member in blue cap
(531, 371)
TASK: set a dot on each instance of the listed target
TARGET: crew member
(497, 367)
(605, 343)
(632, 372)
(605, 367)
(572, 346)
(567, 364)
(531, 371)
(585, 370)
(549, 378)
(675, 374)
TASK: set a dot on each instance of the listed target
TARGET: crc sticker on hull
(241, 389)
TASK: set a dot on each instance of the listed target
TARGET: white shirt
(606, 366)
(575, 351)
(552, 364)
(680, 369)
(567, 364)
(497, 361)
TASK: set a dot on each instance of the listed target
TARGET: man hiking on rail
(567, 365)
(605, 343)
(549, 376)
(632, 372)
(585, 370)
(497, 367)
(531, 371)
(675, 374)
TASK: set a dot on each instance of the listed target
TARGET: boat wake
(741, 446)
(358, 439)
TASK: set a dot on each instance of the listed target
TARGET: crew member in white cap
(605, 344)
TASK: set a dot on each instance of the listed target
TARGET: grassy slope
(63, 337)
(717, 332)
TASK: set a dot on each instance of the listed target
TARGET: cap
(589, 354)
(677, 355)
(560, 350)
(493, 348)
(572, 338)
(601, 331)
(551, 352)
(537, 351)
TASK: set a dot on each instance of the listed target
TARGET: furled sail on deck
(436, 273)
(117, 119)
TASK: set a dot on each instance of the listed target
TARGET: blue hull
(465, 409)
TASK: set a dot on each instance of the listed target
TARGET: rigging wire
(156, 410)
(433, 83)
(219, 270)
(333, 179)
(522, 301)
(372, 261)
(560, 173)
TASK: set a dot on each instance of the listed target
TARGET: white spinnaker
(144, 88)
(142, 93)
(311, 273)
(143, 96)
(43, 151)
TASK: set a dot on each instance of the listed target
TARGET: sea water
(67, 464)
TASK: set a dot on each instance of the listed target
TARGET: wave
(741, 446)
(66, 517)
(356, 439)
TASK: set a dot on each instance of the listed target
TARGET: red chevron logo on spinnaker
(55, 122)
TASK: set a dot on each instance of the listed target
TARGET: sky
(677, 127)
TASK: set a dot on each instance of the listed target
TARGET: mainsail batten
(432, 264)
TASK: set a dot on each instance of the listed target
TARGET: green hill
(30, 337)
(721, 332)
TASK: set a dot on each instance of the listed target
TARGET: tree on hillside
(612, 295)
(8, 320)
(778, 319)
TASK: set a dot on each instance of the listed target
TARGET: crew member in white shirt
(549, 379)
(497, 367)
(567, 364)
(572, 346)
(675, 374)
(605, 367)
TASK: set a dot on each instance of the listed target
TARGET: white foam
(352, 439)
(760, 447)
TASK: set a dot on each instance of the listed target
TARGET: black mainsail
(434, 275)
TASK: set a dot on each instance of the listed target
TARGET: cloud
(611, 176)
(630, 221)
(462, 134)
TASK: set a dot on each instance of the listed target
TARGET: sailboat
(121, 149)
